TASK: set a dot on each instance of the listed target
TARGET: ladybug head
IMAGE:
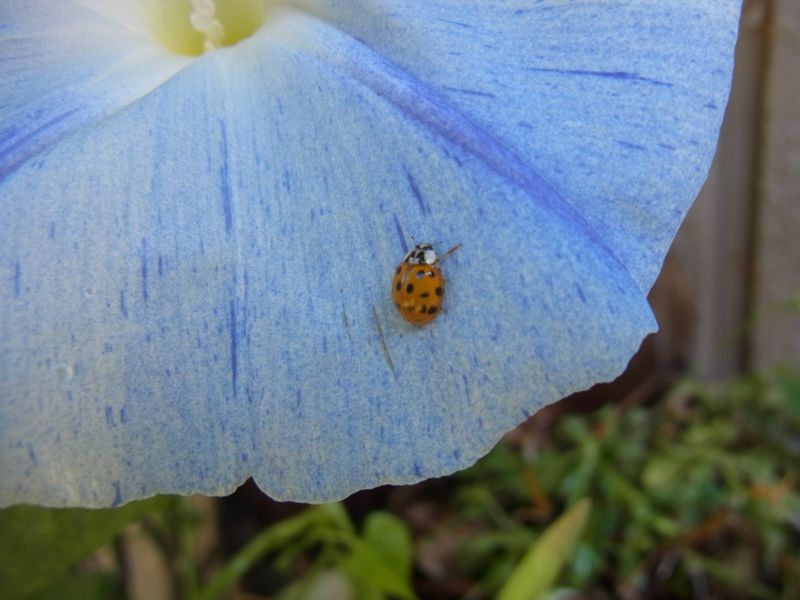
(421, 254)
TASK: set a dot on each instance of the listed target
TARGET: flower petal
(197, 289)
(617, 105)
(64, 66)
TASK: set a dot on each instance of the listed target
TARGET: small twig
(542, 504)
(707, 529)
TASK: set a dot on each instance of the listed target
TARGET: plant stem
(266, 541)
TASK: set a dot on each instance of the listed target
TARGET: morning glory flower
(203, 202)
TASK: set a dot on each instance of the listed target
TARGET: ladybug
(418, 284)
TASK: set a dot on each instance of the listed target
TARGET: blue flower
(196, 247)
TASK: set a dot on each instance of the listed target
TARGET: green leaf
(319, 584)
(39, 545)
(390, 539)
(88, 586)
(538, 570)
(365, 566)
(661, 473)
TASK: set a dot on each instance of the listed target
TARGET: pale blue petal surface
(195, 287)
(63, 66)
(615, 104)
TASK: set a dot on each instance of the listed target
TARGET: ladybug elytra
(418, 284)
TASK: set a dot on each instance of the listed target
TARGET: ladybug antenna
(453, 249)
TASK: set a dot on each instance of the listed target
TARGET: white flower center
(192, 27)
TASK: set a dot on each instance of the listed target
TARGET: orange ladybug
(418, 284)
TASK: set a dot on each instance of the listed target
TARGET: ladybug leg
(449, 252)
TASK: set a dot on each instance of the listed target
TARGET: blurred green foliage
(375, 563)
(698, 490)
(38, 546)
(692, 495)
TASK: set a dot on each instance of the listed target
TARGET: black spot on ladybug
(431, 274)
(432, 310)
(398, 286)
(410, 288)
(424, 309)
(439, 291)
(410, 308)
(424, 295)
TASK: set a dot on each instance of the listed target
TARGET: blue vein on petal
(606, 74)
(234, 346)
(15, 151)
(225, 184)
(143, 258)
(17, 279)
(117, 495)
(412, 183)
(400, 234)
(423, 105)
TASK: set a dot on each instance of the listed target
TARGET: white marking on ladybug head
(421, 254)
